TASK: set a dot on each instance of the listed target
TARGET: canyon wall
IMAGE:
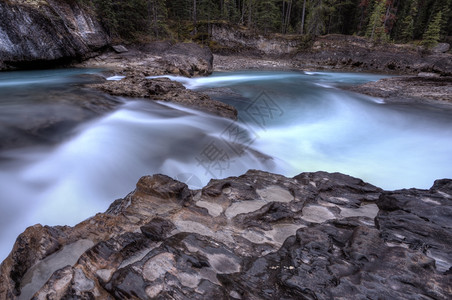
(42, 33)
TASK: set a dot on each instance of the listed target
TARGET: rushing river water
(289, 122)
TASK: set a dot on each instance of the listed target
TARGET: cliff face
(40, 33)
(236, 40)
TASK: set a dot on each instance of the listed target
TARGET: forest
(421, 21)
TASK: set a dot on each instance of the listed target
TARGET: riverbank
(426, 78)
(424, 88)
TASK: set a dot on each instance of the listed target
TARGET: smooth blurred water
(289, 122)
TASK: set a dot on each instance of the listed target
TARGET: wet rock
(256, 236)
(426, 87)
(419, 220)
(53, 116)
(137, 86)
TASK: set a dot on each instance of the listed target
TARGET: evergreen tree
(303, 15)
(376, 29)
(267, 16)
(158, 17)
(407, 26)
(179, 9)
(316, 19)
(433, 33)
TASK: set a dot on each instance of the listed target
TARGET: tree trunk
(249, 14)
(283, 17)
(302, 16)
(195, 19)
(289, 11)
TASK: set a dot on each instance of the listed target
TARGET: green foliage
(380, 20)
(433, 33)
(316, 19)
(376, 30)
(405, 32)
(267, 16)
(306, 42)
(158, 16)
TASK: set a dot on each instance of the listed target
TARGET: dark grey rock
(43, 34)
(441, 48)
(256, 236)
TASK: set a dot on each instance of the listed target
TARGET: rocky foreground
(257, 236)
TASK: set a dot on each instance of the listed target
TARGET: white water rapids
(289, 122)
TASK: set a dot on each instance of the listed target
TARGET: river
(289, 122)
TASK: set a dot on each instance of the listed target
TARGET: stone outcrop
(423, 88)
(357, 53)
(230, 39)
(136, 85)
(47, 32)
(257, 236)
(158, 58)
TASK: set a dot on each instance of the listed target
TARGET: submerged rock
(256, 236)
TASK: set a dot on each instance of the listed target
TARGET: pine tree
(158, 14)
(267, 18)
(316, 20)
(376, 29)
(433, 33)
(407, 25)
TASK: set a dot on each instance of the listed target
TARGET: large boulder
(42, 33)
(256, 236)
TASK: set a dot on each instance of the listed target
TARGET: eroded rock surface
(157, 58)
(333, 51)
(136, 85)
(257, 236)
(423, 88)
(47, 32)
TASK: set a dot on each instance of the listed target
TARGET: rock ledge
(257, 236)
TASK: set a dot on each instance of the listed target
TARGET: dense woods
(427, 21)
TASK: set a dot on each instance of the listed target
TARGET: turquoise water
(289, 122)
